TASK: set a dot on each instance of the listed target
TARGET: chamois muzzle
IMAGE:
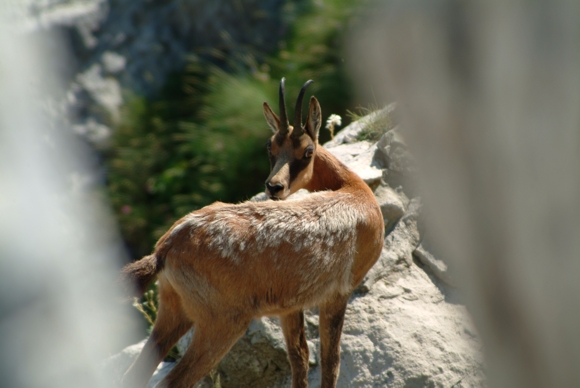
(273, 190)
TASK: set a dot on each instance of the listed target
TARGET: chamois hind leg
(171, 324)
(293, 328)
(331, 320)
(212, 339)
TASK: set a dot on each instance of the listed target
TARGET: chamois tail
(137, 276)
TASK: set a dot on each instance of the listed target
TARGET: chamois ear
(314, 119)
(271, 117)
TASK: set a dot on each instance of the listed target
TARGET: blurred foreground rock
(405, 325)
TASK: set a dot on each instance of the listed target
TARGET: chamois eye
(269, 146)
(309, 152)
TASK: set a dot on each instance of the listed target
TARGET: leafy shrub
(163, 165)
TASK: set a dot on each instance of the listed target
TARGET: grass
(375, 126)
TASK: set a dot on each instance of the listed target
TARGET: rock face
(136, 44)
(404, 326)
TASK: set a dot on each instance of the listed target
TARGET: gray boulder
(360, 157)
(393, 203)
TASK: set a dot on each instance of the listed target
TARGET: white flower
(333, 120)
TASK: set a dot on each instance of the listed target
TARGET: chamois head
(292, 148)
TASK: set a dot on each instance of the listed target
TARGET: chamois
(225, 264)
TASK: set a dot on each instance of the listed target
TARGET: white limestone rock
(116, 366)
(405, 333)
(360, 157)
(438, 267)
(393, 204)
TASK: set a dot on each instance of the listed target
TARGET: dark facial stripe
(296, 166)
(271, 157)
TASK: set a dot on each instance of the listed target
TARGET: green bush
(164, 165)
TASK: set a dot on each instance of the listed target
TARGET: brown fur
(223, 265)
(141, 273)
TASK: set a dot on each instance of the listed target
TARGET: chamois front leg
(293, 328)
(170, 325)
(331, 320)
(212, 339)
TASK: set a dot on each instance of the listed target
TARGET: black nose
(273, 189)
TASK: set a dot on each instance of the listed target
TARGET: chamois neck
(330, 174)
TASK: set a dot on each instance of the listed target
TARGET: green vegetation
(375, 127)
(184, 151)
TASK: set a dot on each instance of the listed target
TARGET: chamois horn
(298, 129)
(284, 126)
